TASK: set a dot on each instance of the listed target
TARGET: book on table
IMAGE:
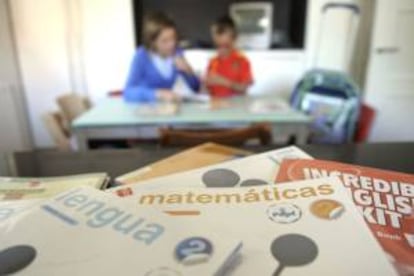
(248, 171)
(304, 228)
(384, 198)
(193, 158)
(10, 209)
(85, 231)
(14, 188)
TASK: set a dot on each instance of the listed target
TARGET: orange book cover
(384, 198)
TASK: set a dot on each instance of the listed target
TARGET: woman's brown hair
(154, 24)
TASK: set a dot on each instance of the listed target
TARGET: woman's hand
(167, 95)
(182, 65)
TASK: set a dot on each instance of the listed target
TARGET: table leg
(282, 132)
(302, 134)
(81, 140)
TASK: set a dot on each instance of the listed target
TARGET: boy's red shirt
(235, 67)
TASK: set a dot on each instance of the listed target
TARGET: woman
(158, 63)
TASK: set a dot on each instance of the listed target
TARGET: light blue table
(114, 119)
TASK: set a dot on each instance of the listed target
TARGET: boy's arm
(240, 85)
(246, 77)
(216, 79)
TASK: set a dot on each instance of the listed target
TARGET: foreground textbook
(304, 228)
(248, 171)
(85, 231)
(32, 188)
(10, 209)
(385, 198)
(196, 157)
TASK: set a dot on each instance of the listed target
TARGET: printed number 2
(194, 247)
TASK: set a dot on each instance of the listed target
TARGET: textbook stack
(194, 158)
(276, 213)
(35, 188)
(291, 230)
(88, 232)
(384, 198)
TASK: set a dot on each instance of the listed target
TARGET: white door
(14, 130)
(41, 41)
(390, 83)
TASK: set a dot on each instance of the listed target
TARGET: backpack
(333, 100)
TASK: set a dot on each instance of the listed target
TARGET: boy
(229, 73)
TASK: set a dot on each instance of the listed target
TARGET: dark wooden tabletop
(391, 156)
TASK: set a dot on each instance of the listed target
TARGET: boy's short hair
(225, 24)
(154, 24)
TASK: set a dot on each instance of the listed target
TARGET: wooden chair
(87, 103)
(54, 122)
(232, 137)
(365, 123)
(73, 105)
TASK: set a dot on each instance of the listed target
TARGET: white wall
(14, 127)
(8, 63)
(82, 46)
(40, 32)
(276, 72)
(108, 41)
